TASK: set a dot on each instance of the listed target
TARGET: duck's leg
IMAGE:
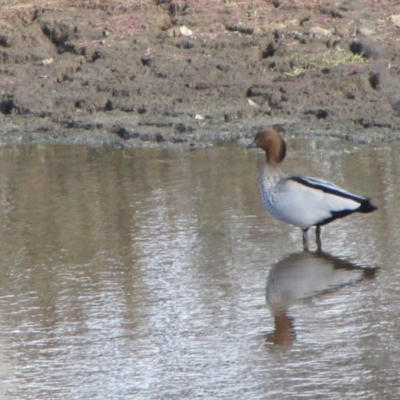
(305, 240)
(318, 236)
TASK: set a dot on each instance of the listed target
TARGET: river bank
(165, 73)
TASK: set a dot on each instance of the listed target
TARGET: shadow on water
(302, 276)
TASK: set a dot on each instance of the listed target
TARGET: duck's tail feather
(366, 207)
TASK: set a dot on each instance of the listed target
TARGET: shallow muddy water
(154, 274)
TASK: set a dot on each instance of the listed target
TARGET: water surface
(156, 274)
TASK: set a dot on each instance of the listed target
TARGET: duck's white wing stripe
(327, 187)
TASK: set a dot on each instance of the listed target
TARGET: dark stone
(7, 104)
(142, 109)
(123, 133)
(181, 128)
(67, 48)
(88, 126)
(5, 41)
(375, 80)
(270, 50)
(146, 61)
(263, 91)
(80, 103)
(363, 49)
(159, 138)
(276, 3)
(109, 106)
(97, 54)
(186, 44)
(57, 32)
(223, 68)
(320, 113)
(332, 12)
(201, 86)
(246, 30)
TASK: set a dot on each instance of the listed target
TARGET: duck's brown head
(272, 143)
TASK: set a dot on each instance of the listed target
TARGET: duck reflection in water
(301, 276)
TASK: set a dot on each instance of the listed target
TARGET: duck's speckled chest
(269, 185)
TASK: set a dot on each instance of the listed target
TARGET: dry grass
(329, 59)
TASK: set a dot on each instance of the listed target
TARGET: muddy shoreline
(164, 73)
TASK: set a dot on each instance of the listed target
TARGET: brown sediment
(158, 72)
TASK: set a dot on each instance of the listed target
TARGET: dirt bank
(151, 72)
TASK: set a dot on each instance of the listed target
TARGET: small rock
(395, 20)
(185, 31)
(97, 54)
(318, 32)
(277, 3)
(246, 30)
(160, 138)
(364, 49)
(81, 103)
(109, 105)
(375, 80)
(142, 109)
(47, 61)
(333, 12)
(270, 49)
(91, 54)
(75, 124)
(186, 44)
(198, 117)
(319, 113)
(123, 133)
(7, 104)
(57, 32)
(262, 90)
(179, 31)
(5, 41)
(201, 86)
(146, 61)
(252, 103)
(67, 48)
(365, 31)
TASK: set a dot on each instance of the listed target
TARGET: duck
(300, 200)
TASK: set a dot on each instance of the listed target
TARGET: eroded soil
(154, 72)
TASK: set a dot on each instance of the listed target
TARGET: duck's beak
(252, 145)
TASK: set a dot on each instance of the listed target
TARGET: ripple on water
(147, 275)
